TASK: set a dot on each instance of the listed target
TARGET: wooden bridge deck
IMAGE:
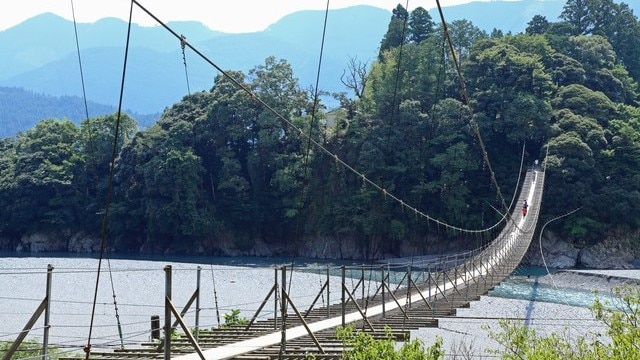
(440, 296)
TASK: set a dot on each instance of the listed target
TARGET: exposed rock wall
(615, 252)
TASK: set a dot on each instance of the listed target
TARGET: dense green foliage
(29, 350)
(621, 341)
(220, 166)
(362, 346)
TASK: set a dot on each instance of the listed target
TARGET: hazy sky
(223, 15)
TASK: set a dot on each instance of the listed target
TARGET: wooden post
(409, 284)
(328, 294)
(362, 280)
(275, 301)
(283, 309)
(198, 302)
(47, 311)
(383, 297)
(167, 313)
(344, 301)
(429, 281)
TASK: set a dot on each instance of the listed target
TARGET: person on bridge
(524, 208)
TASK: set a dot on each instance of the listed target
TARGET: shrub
(621, 342)
(362, 346)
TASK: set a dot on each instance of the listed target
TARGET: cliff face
(614, 252)
(58, 241)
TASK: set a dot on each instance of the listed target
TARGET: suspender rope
(87, 348)
(183, 44)
(92, 151)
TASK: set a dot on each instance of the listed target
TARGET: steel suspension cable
(398, 68)
(93, 157)
(87, 348)
(308, 150)
(474, 124)
(84, 93)
(215, 295)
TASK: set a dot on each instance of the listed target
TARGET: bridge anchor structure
(388, 306)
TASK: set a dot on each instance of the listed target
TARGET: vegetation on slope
(218, 165)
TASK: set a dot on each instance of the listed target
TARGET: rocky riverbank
(614, 252)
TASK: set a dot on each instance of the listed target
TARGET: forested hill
(21, 110)
(39, 55)
(221, 171)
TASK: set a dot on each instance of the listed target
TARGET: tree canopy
(221, 166)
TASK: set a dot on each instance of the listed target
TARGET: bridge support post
(409, 284)
(328, 293)
(198, 272)
(384, 300)
(47, 311)
(362, 280)
(343, 299)
(283, 308)
(429, 281)
(275, 300)
(44, 305)
(167, 313)
(444, 283)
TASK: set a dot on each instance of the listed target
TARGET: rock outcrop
(612, 253)
(609, 254)
(615, 252)
(43, 242)
(84, 243)
(556, 252)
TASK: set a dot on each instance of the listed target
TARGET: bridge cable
(398, 77)
(215, 295)
(87, 348)
(84, 94)
(474, 124)
(184, 60)
(391, 120)
(308, 149)
(93, 157)
(256, 98)
(306, 166)
(548, 222)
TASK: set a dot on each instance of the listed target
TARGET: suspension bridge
(425, 292)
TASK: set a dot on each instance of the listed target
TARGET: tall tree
(614, 21)
(397, 33)
(46, 160)
(421, 25)
(278, 146)
(95, 144)
(463, 35)
(537, 26)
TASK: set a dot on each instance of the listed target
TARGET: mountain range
(40, 55)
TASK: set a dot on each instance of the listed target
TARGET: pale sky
(232, 16)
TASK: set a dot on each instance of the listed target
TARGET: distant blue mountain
(21, 110)
(40, 56)
(44, 59)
